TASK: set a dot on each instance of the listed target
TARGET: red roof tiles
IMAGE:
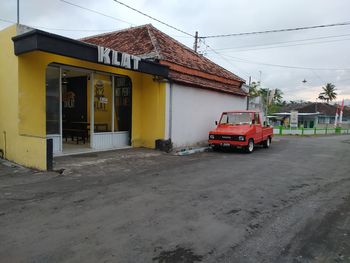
(185, 65)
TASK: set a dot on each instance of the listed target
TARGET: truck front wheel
(267, 143)
(250, 146)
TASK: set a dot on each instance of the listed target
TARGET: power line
(75, 29)
(228, 61)
(318, 76)
(60, 29)
(155, 19)
(97, 12)
(283, 42)
(279, 65)
(292, 45)
(277, 30)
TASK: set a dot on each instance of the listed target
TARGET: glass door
(53, 107)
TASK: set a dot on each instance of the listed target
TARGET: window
(122, 103)
(256, 118)
(236, 118)
(103, 103)
(52, 100)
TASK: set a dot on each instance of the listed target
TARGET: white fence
(305, 131)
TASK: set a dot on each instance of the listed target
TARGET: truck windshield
(236, 118)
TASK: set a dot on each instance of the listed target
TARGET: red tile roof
(186, 66)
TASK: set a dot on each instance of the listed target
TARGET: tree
(278, 96)
(328, 93)
(275, 104)
(253, 89)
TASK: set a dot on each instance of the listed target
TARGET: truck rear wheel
(267, 143)
(250, 146)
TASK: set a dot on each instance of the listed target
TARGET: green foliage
(328, 93)
(273, 108)
(277, 101)
(254, 89)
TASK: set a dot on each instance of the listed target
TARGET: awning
(37, 40)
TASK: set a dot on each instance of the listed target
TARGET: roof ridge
(154, 41)
(113, 32)
(192, 51)
(178, 42)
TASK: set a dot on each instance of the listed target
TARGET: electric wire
(292, 45)
(97, 12)
(227, 61)
(318, 76)
(61, 29)
(151, 17)
(277, 30)
(280, 65)
(76, 29)
(246, 48)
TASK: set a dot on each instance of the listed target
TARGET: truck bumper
(228, 144)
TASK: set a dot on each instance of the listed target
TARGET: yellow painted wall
(153, 111)
(30, 149)
(23, 108)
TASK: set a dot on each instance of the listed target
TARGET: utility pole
(195, 45)
(260, 76)
(17, 12)
(249, 85)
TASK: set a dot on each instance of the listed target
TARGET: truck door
(258, 128)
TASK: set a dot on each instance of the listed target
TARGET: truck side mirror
(253, 121)
(216, 122)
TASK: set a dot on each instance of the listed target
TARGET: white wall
(194, 112)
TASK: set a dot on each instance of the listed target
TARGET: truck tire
(250, 146)
(267, 143)
(215, 148)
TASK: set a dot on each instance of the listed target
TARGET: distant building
(311, 114)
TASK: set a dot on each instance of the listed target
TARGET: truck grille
(226, 137)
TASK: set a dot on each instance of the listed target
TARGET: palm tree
(277, 98)
(254, 89)
(328, 93)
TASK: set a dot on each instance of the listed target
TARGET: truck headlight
(241, 138)
(211, 136)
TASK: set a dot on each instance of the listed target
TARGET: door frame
(91, 76)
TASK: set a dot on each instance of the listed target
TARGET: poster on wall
(100, 100)
(294, 119)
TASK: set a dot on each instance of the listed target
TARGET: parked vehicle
(240, 129)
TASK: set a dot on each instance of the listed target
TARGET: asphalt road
(289, 203)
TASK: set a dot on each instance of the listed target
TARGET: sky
(324, 52)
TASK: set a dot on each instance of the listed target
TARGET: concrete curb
(10, 164)
(192, 151)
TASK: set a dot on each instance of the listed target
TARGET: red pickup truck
(240, 129)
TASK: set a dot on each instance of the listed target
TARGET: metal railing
(280, 130)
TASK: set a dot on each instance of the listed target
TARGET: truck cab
(240, 129)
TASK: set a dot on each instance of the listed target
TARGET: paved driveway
(290, 203)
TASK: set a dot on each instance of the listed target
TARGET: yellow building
(61, 96)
